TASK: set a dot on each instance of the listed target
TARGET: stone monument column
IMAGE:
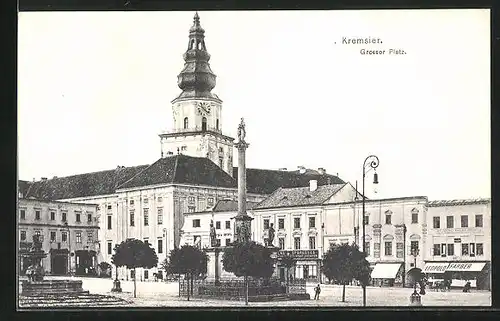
(242, 224)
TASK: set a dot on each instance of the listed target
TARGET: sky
(94, 92)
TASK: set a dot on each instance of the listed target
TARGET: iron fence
(234, 289)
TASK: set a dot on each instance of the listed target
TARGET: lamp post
(371, 162)
(69, 247)
(403, 226)
(414, 253)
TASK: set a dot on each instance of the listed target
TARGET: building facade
(459, 238)
(307, 221)
(69, 233)
(197, 112)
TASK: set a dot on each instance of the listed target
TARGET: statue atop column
(241, 131)
(242, 225)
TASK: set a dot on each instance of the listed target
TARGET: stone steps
(75, 300)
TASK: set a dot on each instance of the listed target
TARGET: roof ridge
(176, 164)
(131, 178)
(94, 172)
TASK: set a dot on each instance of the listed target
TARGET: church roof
(180, 169)
(266, 181)
(299, 196)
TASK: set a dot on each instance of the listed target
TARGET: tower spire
(196, 79)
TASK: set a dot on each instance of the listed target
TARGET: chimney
(34, 180)
(322, 171)
(283, 169)
(44, 179)
(302, 169)
(313, 185)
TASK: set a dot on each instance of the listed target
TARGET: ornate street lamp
(371, 162)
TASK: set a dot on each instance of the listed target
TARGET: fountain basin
(50, 287)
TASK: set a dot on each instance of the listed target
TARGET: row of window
(64, 236)
(388, 248)
(203, 123)
(450, 221)
(388, 218)
(132, 202)
(52, 216)
(159, 248)
(296, 243)
(296, 223)
(468, 249)
(197, 223)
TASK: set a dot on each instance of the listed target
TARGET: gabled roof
(266, 181)
(82, 185)
(181, 169)
(230, 206)
(459, 202)
(299, 196)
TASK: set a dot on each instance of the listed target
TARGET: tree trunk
(135, 287)
(246, 290)
(343, 291)
(187, 284)
(192, 286)
(287, 278)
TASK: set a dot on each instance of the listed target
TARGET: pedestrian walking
(317, 291)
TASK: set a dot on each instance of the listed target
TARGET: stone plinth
(48, 287)
(214, 265)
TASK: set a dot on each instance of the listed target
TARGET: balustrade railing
(192, 129)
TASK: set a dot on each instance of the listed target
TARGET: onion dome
(196, 79)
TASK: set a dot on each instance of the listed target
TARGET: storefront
(59, 261)
(435, 271)
(306, 265)
(459, 273)
(86, 262)
(385, 274)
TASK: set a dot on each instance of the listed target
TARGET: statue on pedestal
(213, 235)
(270, 238)
(36, 254)
(241, 131)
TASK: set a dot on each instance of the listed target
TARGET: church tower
(197, 112)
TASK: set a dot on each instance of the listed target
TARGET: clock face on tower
(204, 108)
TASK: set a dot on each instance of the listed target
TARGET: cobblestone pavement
(162, 294)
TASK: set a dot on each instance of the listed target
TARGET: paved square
(162, 294)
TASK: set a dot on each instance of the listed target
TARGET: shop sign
(467, 230)
(435, 268)
(299, 254)
(457, 240)
(460, 266)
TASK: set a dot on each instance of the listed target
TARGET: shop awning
(435, 267)
(385, 270)
(465, 266)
